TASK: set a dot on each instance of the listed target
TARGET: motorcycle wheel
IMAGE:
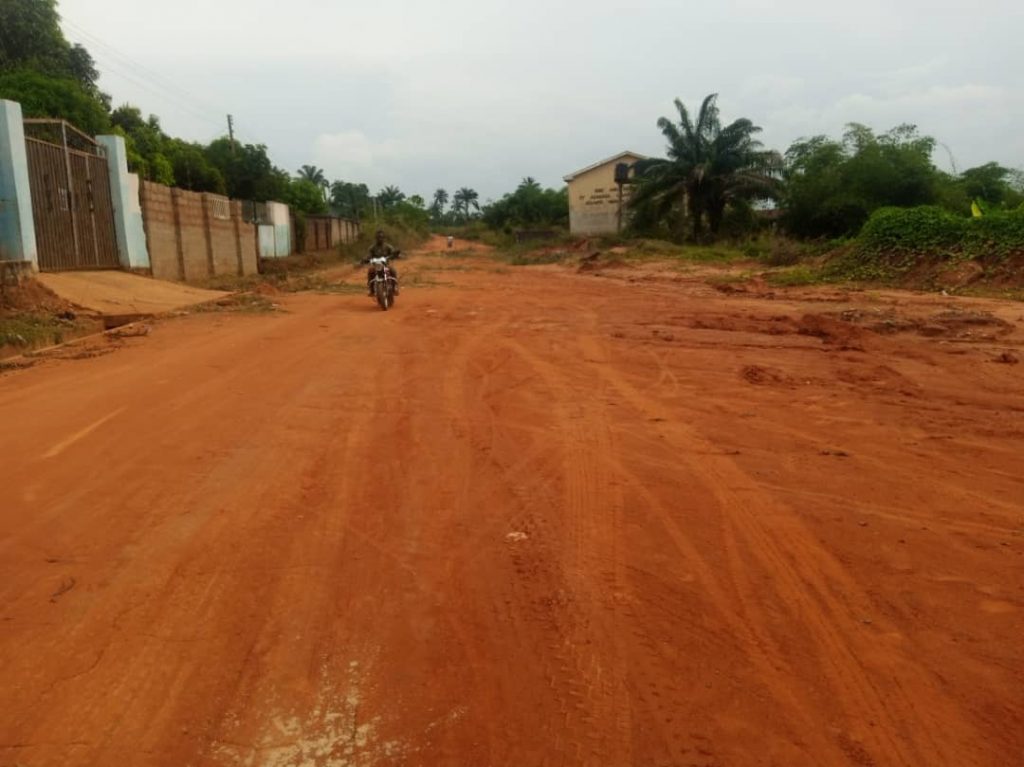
(381, 292)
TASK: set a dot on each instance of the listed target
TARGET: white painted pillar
(124, 191)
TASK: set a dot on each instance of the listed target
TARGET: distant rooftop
(613, 158)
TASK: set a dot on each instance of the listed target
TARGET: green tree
(31, 35)
(42, 95)
(31, 39)
(312, 173)
(989, 183)
(390, 196)
(408, 215)
(146, 143)
(832, 187)
(305, 195)
(247, 170)
(708, 167)
(192, 169)
(315, 175)
(465, 199)
(529, 205)
(350, 200)
(437, 205)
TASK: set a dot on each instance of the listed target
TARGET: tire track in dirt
(904, 515)
(821, 596)
(595, 725)
(606, 464)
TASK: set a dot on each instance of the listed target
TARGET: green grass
(987, 291)
(794, 277)
(731, 278)
(537, 259)
(284, 281)
(29, 331)
(660, 250)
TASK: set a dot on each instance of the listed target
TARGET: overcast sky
(483, 92)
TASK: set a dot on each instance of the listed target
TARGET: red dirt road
(529, 517)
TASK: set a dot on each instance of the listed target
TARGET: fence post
(17, 226)
(179, 242)
(124, 191)
(235, 209)
(208, 232)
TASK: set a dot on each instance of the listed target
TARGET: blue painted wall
(17, 227)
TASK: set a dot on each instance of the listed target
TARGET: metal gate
(71, 199)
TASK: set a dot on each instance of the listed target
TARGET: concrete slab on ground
(122, 293)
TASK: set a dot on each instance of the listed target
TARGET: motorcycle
(383, 282)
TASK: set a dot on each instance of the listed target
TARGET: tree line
(715, 179)
(719, 179)
(50, 77)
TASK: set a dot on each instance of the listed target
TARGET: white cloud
(964, 117)
(483, 92)
(351, 156)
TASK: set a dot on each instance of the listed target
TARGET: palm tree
(316, 175)
(390, 196)
(529, 183)
(464, 199)
(707, 168)
(437, 205)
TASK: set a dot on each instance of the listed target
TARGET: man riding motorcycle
(381, 249)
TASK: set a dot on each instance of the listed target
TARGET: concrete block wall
(193, 236)
(161, 224)
(222, 248)
(327, 232)
(245, 240)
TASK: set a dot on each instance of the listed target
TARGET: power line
(158, 93)
(159, 80)
(127, 68)
(124, 66)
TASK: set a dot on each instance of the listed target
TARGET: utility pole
(231, 133)
(621, 177)
(618, 225)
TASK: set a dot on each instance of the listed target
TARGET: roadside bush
(924, 229)
(996, 234)
(796, 276)
(896, 240)
(473, 230)
(397, 234)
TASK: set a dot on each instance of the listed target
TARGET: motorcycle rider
(381, 249)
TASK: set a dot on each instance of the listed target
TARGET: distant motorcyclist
(381, 249)
(451, 241)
